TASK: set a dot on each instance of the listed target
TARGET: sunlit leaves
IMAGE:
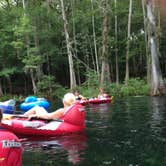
(6, 72)
(33, 60)
(25, 27)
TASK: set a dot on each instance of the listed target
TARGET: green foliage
(6, 97)
(92, 79)
(48, 87)
(88, 92)
(33, 60)
(34, 38)
(25, 27)
(114, 90)
(59, 91)
(6, 72)
(140, 86)
(127, 90)
(136, 87)
(17, 44)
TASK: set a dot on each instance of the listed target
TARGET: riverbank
(136, 87)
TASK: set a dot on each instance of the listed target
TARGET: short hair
(0, 115)
(69, 99)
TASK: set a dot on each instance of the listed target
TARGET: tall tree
(27, 40)
(146, 41)
(69, 48)
(128, 43)
(1, 92)
(116, 40)
(157, 85)
(94, 39)
(105, 69)
(78, 80)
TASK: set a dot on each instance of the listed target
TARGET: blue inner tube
(32, 101)
(7, 109)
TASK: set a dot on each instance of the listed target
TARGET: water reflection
(126, 137)
(101, 109)
(71, 147)
(158, 120)
(98, 116)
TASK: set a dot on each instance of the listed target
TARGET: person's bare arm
(56, 114)
(53, 115)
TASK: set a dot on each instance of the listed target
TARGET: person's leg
(41, 110)
(35, 110)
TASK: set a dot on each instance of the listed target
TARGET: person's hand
(32, 116)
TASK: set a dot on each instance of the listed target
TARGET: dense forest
(48, 46)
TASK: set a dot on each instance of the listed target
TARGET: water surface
(128, 132)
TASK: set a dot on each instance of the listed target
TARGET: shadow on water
(59, 150)
(128, 132)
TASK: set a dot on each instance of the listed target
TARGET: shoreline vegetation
(48, 48)
(136, 87)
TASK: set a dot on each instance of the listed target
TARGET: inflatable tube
(72, 122)
(96, 101)
(32, 101)
(8, 106)
(99, 101)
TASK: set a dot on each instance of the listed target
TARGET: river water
(127, 132)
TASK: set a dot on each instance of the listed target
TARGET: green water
(128, 132)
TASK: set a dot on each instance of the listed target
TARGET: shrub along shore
(136, 87)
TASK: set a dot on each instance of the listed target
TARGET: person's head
(0, 115)
(76, 93)
(69, 99)
(101, 90)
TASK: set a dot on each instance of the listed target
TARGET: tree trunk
(128, 43)
(157, 85)
(23, 4)
(26, 37)
(146, 42)
(48, 2)
(39, 71)
(94, 40)
(69, 49)
(116, 48)
(78, 79)
(9, 84)
(33, 82)
(105, 72)
(28, 52)
(1, 92)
